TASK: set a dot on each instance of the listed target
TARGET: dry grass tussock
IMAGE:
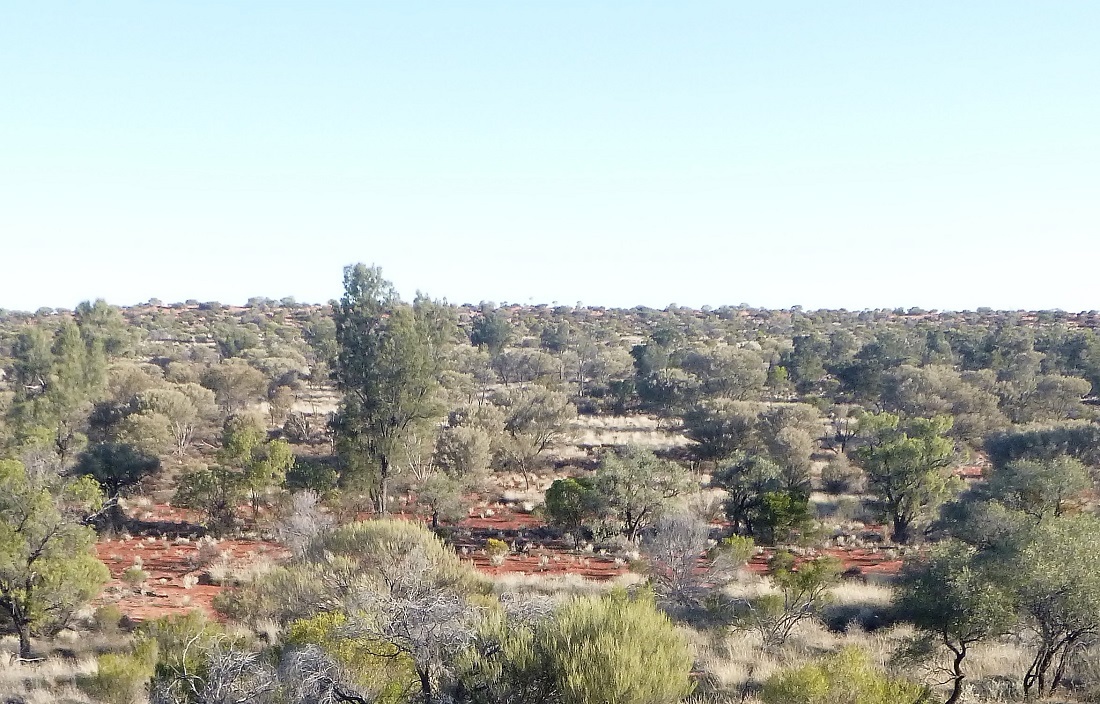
(848, 592)
(855, 593)
(67, 694)
(229, 571)
(643, 431)
(515, 485)
(560, 584)
(52, 680)
(850, 512)
(319, 402)
(535, 495)
(736, 662)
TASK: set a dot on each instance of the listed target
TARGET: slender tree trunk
(901, 530)
(116, 517)
(632, 526)
(383, 485)
(20, 619)
(24, 630)
(526, 475)
(958, 676)
(1036, 674)
(1060, 670)
(426, 685)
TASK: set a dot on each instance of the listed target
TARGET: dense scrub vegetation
(739, 461)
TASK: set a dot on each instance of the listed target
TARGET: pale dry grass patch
(629, 423)
(514, 484)
(748, 585)
(135, 502)
(320, 402)
(738, 663)
(705, 503)
(227, 571)
(60, 695)
(49, 671)
(643, 431)
(997, 659)
(40, 682)
(535, 495)
(560, 584)
(847, 592)
(852, 592)
(720, 698)
(844, 513)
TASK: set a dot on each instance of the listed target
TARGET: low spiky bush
(614, 649)
(135, 577)
(107, 618)
(845, 677)
(497, 550)
(376, 667)
(121, 678)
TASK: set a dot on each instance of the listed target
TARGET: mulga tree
(47, 567)
(759, 500)
(54, 379)
(957, 599)
(1057, 585)
(802, 590)
(261, 463)
(571, 505)
(1040, 489)
(536, 420)
(634, 486)
(388, 362)
(720, 428)
(907, 468)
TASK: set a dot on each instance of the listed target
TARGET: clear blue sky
(826, 154)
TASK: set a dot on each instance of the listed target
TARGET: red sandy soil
(165, 513)
(502, 520)
(868, 562)
(167, 561)
(562, 560)
(532, 556)
(969, 472)
(599, 568)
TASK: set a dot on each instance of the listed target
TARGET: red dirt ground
(868, 562)
(971, 472)
(599, 568)
(549, 557)
(167, 561)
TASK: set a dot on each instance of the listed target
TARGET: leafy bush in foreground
(845, 677)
